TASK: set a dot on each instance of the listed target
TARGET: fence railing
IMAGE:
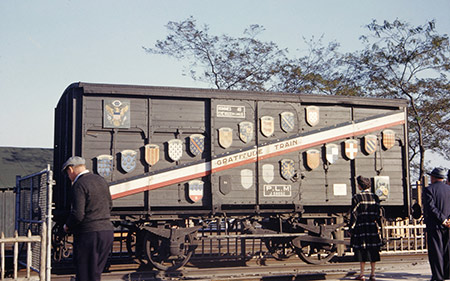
(17, 242)
(405, 236)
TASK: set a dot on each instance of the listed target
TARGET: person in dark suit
(89, 220)
(365, 221)
(436, 198)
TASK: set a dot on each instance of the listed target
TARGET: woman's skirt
(369, 254)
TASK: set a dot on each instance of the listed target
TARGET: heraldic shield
(370, 143)
(225, 137)
(351, 149)
(104, 165)
(246, 131)
(312, 158)
(287, 168)
(196, 144)
(246, 178)
(267, 126)
(287, 121)
(388, 139)
(151, 154)
(116, 113)
(332, 153)
(175, 149)
(268, 173)
(195, 190)
(128, 160)
(312, 115)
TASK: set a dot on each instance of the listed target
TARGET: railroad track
(252, 270)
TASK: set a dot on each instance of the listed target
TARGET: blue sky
(46, 45)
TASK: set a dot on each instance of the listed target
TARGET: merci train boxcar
(280, 165)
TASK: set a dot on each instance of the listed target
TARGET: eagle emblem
(116, 114)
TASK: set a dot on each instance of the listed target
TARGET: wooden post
(16, 254)
(419, 192)
(3, 257)
(43, 263)
(29, 255)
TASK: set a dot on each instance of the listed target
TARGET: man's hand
(446, 223)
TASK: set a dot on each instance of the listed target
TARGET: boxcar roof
(139, 90)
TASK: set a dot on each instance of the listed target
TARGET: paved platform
(409, 272)
(406, 271)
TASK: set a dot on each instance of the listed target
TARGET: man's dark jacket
(91, 205)
(436, 204)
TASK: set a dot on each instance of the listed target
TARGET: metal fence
(34, 215)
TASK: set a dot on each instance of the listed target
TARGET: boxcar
(282, 166)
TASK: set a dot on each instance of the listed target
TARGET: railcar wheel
(279, 248)
(134, 247)
(159, 254)
(316, 253)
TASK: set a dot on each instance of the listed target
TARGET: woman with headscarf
(365, 221)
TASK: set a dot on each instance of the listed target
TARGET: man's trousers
(91, 251)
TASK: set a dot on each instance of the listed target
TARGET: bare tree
(223, 61)
(402, 61)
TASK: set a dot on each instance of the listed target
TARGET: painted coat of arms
(312, 158)
(246, 131)
(287, 121)
(151, 154)
(104, 165)
(225, 137)
(195, 190)
(351, 149)
(175, 147)
(196, 144)
(246, 178)
(116, 113)
(332, 153)
(388, 139)
(312, 115)
(128, 160)
(268, 173)
(287, 168)
(370, 143)
(267, 125)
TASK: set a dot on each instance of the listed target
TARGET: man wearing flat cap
(89, 220)
(436, 199)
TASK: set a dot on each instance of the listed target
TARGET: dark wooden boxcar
(178, 154)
